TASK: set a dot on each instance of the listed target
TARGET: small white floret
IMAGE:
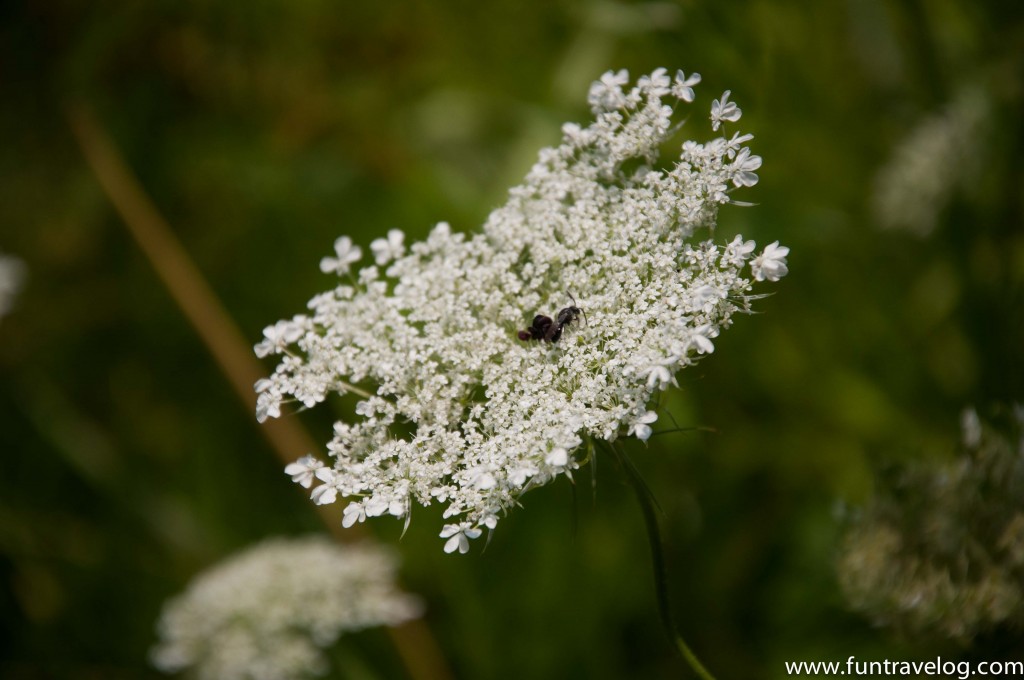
(683, 85)
(641, 427)
(770, 265)
(303, 470)
(458, 536)
(724, 110)
(353, 513)
(347, 254)
(390, 248)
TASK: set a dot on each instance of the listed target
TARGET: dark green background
(264, 130)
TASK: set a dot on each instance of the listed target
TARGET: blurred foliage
(264, 130)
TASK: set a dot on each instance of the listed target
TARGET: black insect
(548, 330)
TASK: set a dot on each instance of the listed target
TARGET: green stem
(349, 387)
(648, 506)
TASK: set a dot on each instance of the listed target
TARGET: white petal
(455, 543)
(353, 513)
(449, 530)
(324, 494)
(329, 264)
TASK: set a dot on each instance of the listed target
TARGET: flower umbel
(939, 551)
(270, 611)
(457, 409)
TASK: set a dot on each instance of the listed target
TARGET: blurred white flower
(606, 94)
(270, 611)
(657, 84)
(347, 254)
(390, 248)
(457, 409)
(938, 551)
(941, 153)
(970, 428)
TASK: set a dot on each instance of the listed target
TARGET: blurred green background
(264, 130)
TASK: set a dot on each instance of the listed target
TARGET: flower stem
(349, 387)
(648, 506)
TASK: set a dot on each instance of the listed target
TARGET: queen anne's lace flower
(938, 552)
(268, 612)
(456, 409)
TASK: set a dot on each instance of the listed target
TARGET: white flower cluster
(267, 613)
(914, 187)
(12, 272)
(456, 408)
